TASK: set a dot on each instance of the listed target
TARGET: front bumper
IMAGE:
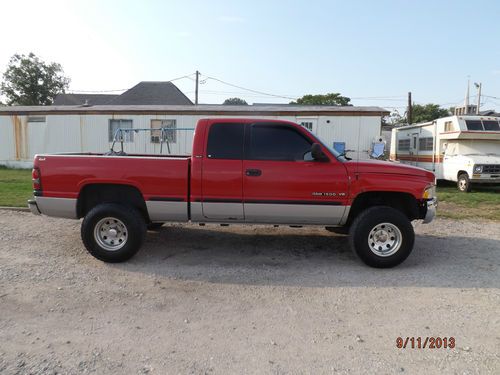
(485, 179)
(33, 207)
(431, 210)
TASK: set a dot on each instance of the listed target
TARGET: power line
(250, 90)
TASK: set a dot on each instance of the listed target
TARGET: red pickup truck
(241, 171)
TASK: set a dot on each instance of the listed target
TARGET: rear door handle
(253, 172)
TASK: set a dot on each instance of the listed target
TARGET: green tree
(427, 112)
(234, 101)
(326, 99)
(30, 81)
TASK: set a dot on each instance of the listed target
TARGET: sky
(374, 52)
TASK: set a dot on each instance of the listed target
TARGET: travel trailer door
(414, 149)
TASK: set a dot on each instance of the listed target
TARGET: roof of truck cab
(201, 109)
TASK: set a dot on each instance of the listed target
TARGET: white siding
(7, 141)
(89, 133)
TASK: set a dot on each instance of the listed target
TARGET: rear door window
(276, 142)
(225, 141)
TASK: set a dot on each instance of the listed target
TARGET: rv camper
(464, 149)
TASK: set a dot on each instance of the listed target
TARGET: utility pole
(478, 86)
(196, 88)
(409, 112)
(467, 98)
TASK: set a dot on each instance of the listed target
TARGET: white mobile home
(464, 149)
(26, 131)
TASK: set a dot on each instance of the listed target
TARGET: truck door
(281, 182)
(222, 182)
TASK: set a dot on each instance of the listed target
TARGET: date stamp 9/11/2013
(425, 342)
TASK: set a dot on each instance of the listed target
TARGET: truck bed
(161, 178)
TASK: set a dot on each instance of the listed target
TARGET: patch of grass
(15, 187)
(482, 203)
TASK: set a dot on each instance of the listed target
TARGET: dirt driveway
(245, 300)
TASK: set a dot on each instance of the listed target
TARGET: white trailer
(26, 131)
(464, 149)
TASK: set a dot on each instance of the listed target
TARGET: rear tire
(382, 237)
(113, 233)
(463, 183)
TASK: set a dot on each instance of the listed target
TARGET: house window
(36, 118)
(114, 125)
(426, 144)
(168, 135)
(448, 126)
(403, 144)
(308, 125)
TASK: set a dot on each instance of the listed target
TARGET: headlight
(478, 169)
(429, 192)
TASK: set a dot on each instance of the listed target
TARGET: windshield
(338, 155)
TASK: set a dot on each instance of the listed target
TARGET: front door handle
(253, 172)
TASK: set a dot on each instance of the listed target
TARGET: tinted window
(277, 142)
(474, 125)
(491, 125)
(225, 141)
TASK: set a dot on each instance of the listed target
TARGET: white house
(29, 130)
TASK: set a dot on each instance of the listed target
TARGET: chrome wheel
(110, 233)
(385, 239)
(462, 184)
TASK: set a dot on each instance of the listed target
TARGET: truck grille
(495, 168)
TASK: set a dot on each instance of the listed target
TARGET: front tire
(113, 233)
(463, 183)
(382, 237)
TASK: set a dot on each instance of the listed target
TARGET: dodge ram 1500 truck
(241, 171)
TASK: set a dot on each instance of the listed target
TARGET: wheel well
(461, 172)
(404, 202)
(92, 195)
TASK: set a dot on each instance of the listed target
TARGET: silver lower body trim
(294, 214)
(161, 211)
(58, 207)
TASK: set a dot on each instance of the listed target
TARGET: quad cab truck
(241, 171)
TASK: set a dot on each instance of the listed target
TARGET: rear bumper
(33, 207)
(57, 207)
(431, 210)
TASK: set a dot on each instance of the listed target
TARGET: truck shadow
(309, 258)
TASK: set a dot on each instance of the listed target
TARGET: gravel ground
(246, 300)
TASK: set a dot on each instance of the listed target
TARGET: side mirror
(317, 153)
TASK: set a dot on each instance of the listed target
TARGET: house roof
(80, 99)
(152, 93)
(144, 93)
(203, 109)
